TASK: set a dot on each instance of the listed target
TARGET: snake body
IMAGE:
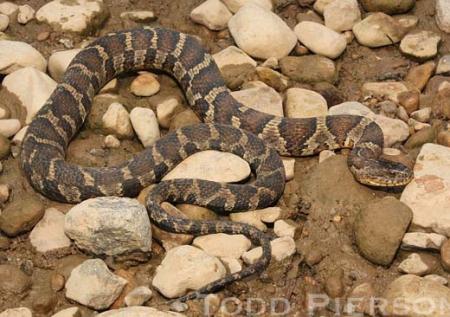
(229, 126)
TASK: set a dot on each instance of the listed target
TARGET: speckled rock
(58, 62)
(213, 14)
(390, 90)
(421, 45)
(138, 296)
(15, 55)
(418, 76)
(377, 30)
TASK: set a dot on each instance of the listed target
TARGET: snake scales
(45, 144)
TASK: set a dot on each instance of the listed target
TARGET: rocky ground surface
(386, 60)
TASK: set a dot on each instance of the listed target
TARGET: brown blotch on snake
(180, 55)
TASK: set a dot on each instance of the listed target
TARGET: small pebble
(138, 296)
(111, 142)
(139, 16)
(5, 191)
(443, 67)
(409, 100)
(286, 228)
(145, 85)
(26, 14)
(145, 125)
(57, 282)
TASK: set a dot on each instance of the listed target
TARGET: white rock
(100, 288)
(390, 90)
(427, 194)
(145, 125)
(283, 228)
(166, 110)
(32, 87)
(289, 167)
(80, 16)
(17, 312)
(68, 312)
(235, 5)
(110, 226)
(421, 240)
(325, 154)
(414, 264)
(8, 8)
(378, 29)
(213, 14)
(232, 264)
(117, 121)
(264, 99)
(282, 248)
(257, 218)
(320, 5)
(59, 61)
(261, 33)
(186, 268)
(394, 130)
(139, 311)
(436, 278)
(15, 55)
(223, 245)
(111, 141)
(4, 22)
(342, 15)
(26, 14)
(138, 296)
(9, 127)
(232, 55)
(443, 15)
(304, 103)
(320, 39)
(212, 165)
(422, 45)
(48, 234)
(145, 85)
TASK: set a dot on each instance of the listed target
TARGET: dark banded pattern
(45, 144)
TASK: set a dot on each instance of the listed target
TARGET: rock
(420, 45)
(26, 14)
(111, 142)
(422, 241)
(334, 285)
(443, 67)
(309, 15)
(286, 228)
(13, 280)
(282, 248)
(320, 5)
(31, 86)
(79, 16)
(116, 226)
(394, 130)
(445, 255)
(289, 167)
(17, 312)
(377, 30)
(235, 5)
(183, 119)
(422, 115)
(412, 290)
(443, 15)
(342, 15)
(166, 110)
(264, 99)
(390, 90)
(213, 14)
(426, 194)
(257, 218)
(326, 154)
(409, 100)
(211, 165)
(304, 103)
(365, 294)
(232, 55)
(21, 215)
(186, 268)
(309, 69)
(261, 33)
(142, 16)
(320, 39)
(68, 312)
(388, 6)
(443, 138)
(145, 125)
(15, 55)
(8, 8)
(100, 286)
(223, 245)
(425, 134)
(418, 76)
(5, 147)
(138, 296)
(138, 311)
(116, 120)
(379, 229)
(9, 127)
(233, 265)
(407, 21)
(418, 264)
(48, 234)
(59, 61)
(145, 85)
(4, 22)
(272, 78)
(440, 106)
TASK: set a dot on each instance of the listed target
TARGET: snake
(227, 125)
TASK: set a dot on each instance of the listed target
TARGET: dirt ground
(324, 235)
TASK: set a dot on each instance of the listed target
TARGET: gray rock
(418, 264)
(388, 6)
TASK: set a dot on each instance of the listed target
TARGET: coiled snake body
(45, 144)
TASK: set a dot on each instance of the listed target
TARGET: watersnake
(228, 126)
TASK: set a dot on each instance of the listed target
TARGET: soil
(327, 220)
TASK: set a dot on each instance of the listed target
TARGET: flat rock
(17, 312)
(377, 30)
(145, 125)
(309, 69)
(15, 55)
(390, 90)
(423, 241)
(79, 16)
(427, 193)
(261, 33)
(109, 226)
(235, 5)
(342, 15)
(443, 15)
(320, 39)
(100, 287)
(421, 45)
(379, 229)
(223, 245)
(186, 268)
(304, 103)
(418, 264)
(139, 311)
(264, 99)
(59, 61)
(31, 86)
(211, 165)
(145, 85)
(282, 248)
(48, 234)
(213, 14)
(116, 120)
(388, 6)
(232, 55)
